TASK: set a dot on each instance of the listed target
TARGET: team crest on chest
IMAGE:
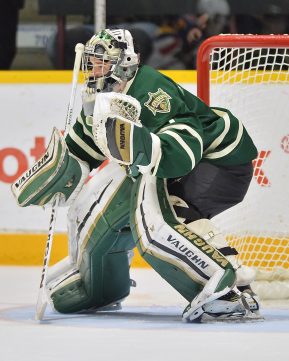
(159, 102)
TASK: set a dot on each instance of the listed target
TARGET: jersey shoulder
(149, 79)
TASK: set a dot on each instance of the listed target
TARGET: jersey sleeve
(181, 148)
(227, 140)
(171, 113)
(81, 143)
(217, 137)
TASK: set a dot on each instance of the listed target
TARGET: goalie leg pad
(77, 292)
(99, 251)
(181, 256)
(57, 172)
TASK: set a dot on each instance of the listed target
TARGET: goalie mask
(109, 59)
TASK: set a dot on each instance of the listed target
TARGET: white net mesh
(254, 84)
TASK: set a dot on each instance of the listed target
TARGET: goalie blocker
(58, 171)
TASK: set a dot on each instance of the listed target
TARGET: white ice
(148, 328)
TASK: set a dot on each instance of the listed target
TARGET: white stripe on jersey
(192, 131)
(230, 147)
(183, 144)
(84, 146)
(221, 137)
(85, 131)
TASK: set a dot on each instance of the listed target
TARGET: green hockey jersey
(189, 130)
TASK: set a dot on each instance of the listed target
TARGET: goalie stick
(42, 299)
(99, 15)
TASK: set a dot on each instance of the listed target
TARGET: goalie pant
(96, 273)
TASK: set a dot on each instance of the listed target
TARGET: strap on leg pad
(206, 229)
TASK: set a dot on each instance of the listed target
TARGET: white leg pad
(207, 230)
(60, 274)
(59, 268)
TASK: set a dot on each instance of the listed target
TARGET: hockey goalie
(174, 163)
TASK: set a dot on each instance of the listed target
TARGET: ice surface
(149, 327)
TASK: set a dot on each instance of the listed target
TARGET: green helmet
(109, 58)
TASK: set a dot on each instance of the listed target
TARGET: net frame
(272, 261)
(230, 41)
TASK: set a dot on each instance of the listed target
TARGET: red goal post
(249, 75)
(230, 41)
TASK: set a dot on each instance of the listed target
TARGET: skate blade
(112, 307)
(233, 317)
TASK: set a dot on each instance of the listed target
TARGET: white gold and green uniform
(191, 135)
(174, 163)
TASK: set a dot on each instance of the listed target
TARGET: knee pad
(70, 291)
(98, 273)
(183, 257)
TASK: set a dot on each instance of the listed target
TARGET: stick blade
(40, 306)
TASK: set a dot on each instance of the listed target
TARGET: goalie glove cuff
(154, 158)
(127, 143)
(143, 149)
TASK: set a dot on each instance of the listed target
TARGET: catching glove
(120, 136)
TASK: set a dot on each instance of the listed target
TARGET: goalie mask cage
(249, 75)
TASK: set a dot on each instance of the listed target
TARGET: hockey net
(249, 75)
